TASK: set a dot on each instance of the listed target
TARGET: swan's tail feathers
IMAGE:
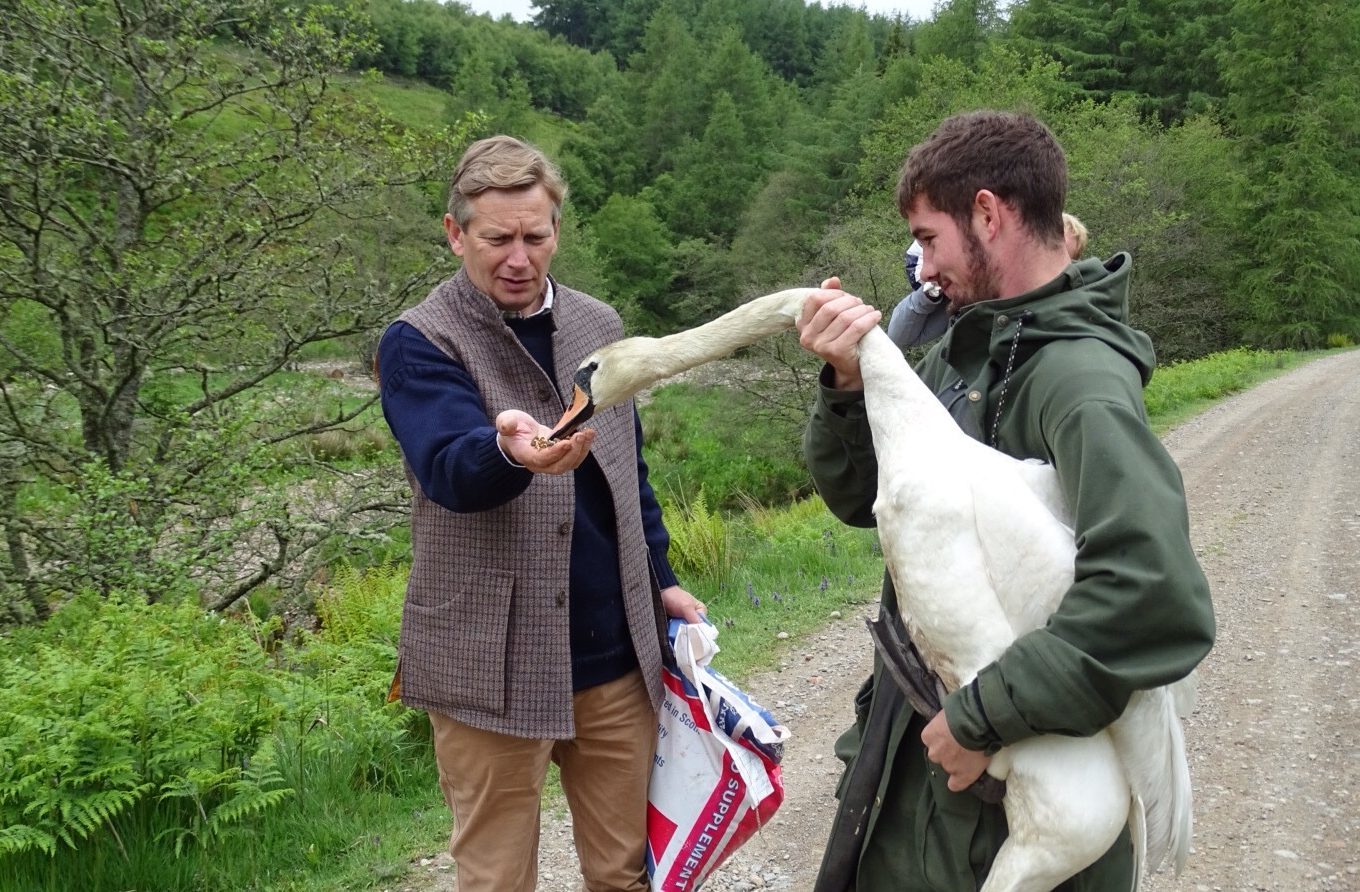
(1138, 830)
(1151, 746)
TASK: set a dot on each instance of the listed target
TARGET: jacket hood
(1090, 299)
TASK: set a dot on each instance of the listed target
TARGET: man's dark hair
(1013, 155)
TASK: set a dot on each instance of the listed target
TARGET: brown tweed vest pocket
(468, 669)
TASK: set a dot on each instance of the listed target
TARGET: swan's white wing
(1029, 553)
(1185, 693)
(1042, 480)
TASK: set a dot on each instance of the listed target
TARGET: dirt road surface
(1273, 479)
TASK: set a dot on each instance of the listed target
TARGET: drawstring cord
(1006, 378)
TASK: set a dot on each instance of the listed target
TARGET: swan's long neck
(751, 322)
(641, 362)
(902, 410)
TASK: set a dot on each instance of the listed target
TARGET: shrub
(115, 711)
(720, 441)
(1178, 387)
(144, 736)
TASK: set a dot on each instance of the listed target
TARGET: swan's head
(607, 377)
(617, 371)
(582, 404)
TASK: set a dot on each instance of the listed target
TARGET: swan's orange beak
(577, 414)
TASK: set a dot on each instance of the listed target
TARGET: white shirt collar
(547, 304)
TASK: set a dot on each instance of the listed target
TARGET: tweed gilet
(485, 626)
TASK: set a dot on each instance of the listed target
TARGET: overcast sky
(522, 10)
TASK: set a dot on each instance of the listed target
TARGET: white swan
(999, 560)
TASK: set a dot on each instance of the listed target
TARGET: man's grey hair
(502, 162)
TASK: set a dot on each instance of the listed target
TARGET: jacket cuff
(842, 412)
(493, 466)
(969, 711)
(997, 709)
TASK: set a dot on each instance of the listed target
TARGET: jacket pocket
(455, 654)
(958, 834)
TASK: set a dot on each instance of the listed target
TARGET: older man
(532, 629)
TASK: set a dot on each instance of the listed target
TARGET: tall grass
(720, 440)
(1180, 390)
(792, 568)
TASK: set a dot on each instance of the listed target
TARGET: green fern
(701, 544)
(146, 737)
(17, 838)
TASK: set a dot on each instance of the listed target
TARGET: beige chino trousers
(493, 784)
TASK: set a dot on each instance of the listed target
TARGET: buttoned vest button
(974, 395)
(1002, 320)
(564, 528)
(561, 599)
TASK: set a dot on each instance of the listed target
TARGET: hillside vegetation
(202, 203)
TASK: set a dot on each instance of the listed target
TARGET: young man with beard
(1039, 363)
(924, 314)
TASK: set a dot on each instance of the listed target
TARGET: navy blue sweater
(436, 413)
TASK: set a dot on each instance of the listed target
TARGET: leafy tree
(1165, 196)
(578, 260)
(613, 26)
(475, 86)
(850, 53)
(596, 159)
(1084, 36)
(960, 30)
(666, 99)
(483, 61)
(580, 22)
(895, 46)
(778, 31)
(1293, 100)
(1161, 51)
(1185, 79)
(714, 175)
(444, 40)
(778, 233)
(636, 253)
(788, 216)
(182, 218)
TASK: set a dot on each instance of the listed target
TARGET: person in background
(1074, 236)
(1038, 363)
(923, 315)
(534, 623)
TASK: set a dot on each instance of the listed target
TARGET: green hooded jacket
(1054, 374)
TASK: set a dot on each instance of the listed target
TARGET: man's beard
(983, 277)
